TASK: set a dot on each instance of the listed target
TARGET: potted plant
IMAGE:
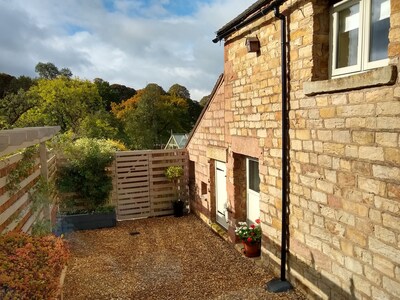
(84, 185)
(251, 238)
(174, 173)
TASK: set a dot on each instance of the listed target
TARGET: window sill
(376, 77)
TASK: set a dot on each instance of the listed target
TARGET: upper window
(359, 35)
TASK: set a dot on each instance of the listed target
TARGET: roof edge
(253, 13)
(214, 90)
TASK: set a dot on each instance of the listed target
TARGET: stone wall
(344, 212)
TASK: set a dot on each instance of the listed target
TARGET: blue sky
(131, 42)
(173, 7)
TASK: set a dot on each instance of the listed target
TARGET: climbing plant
(23, 169)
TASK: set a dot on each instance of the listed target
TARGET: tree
(14, 100)
(121, 92)
(100, 125)
(13, 106)
(150, 115)
(65, 72)
(204, 100)
(194, 108)
(50, 71)
(22, 82)
(194, 111)
(180, 91)
(62, 101)
(115, 93)
(5, 81)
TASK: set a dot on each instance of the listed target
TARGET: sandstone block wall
(344, 212)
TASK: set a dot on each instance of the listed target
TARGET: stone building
(337, 130)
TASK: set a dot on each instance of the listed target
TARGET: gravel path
(169, 258)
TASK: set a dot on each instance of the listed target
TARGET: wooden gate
(142, 188)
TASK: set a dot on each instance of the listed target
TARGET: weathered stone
(379, 294)
(342, 136)
(344, 152)
(380, 76)
(371, 153)
(363, 137)
(356, 110)
(370, 185)
(387, 205)
(372, 275)
(392, 155)
(391, 286)
(384, 234)
(327, 112)
(386, 172)
(357, 236)
(375, 216)
(385, 250)
(391, 221)
(319, 197)
(334, 148)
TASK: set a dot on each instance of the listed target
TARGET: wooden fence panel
(132, 185)
(16, 211)
(142, 188)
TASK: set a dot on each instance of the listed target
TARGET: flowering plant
(249, 234)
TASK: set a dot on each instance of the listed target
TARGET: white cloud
(125, 42)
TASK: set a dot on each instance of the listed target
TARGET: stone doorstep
(221, 232)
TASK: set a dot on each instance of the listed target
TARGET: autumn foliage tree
(141, 119)
(150, 115)
(62, 101)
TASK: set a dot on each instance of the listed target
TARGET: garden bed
(162, 258)
(68, 223)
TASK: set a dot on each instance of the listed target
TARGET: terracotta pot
(252, 249)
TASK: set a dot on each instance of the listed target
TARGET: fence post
(44, 172)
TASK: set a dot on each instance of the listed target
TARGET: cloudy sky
(131, 42)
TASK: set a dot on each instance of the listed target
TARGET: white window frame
(363, 40)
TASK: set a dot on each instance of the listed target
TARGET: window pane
(254, 177)
(349, 19)
(379, 39)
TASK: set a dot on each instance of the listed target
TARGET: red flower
(258, 221)
(252, 226)
(249, 239)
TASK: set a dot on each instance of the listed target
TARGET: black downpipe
(281, 285)
(284, 139)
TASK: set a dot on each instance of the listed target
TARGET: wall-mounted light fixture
(252, 44)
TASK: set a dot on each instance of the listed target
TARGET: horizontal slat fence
(142, 188)
(16, 211)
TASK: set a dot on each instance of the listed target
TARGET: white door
(221, 194)
(253, 190)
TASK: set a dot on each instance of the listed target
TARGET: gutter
(279, 284)
(246, 20)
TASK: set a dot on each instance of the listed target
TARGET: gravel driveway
(161, 258)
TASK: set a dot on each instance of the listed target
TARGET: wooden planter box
(68, 223)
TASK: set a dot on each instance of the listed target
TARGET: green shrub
(173, 172)
(30, 267)
(41, 228)
(84, 172)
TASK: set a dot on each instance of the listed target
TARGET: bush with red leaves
(30, 267)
